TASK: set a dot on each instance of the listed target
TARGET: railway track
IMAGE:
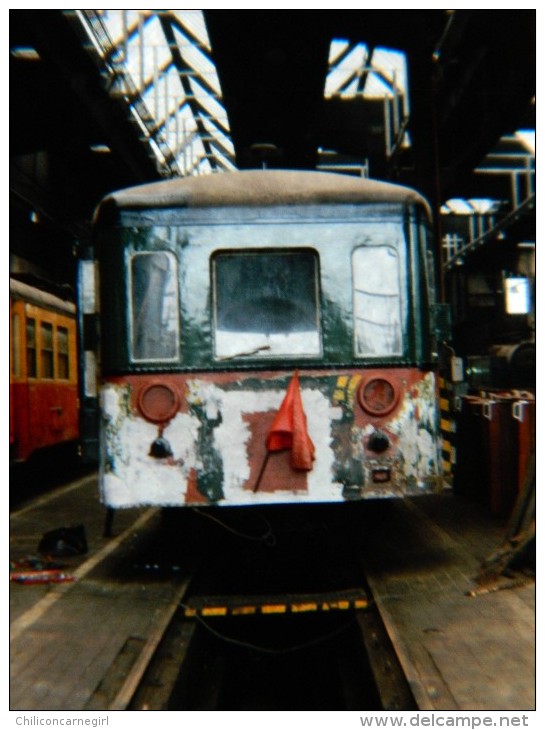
(335, 658)
(253, 611)
(252, 649)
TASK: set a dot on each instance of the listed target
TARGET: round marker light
(378, 442)
(160, 448)
(378, 396)
(158, 402)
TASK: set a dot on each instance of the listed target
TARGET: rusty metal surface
(214, 447)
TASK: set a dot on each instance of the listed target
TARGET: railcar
(43, 370)
(266, 337)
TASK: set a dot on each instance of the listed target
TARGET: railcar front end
(265, 337)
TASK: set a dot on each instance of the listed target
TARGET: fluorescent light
(25, 53)
(100, 148)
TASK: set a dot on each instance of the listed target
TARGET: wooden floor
(71, 643)
(459, 652)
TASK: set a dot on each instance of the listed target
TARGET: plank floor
(459, 652)
(68, 641)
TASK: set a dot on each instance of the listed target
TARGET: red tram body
(43, 371)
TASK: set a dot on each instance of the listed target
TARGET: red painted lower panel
(42, 414)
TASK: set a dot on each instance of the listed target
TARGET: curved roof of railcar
(40, 298)
(260, 188)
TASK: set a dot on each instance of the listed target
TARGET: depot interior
(440, 100)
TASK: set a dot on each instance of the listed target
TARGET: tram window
(31, 359)
(266, 304)
(15, 346)
(377, 301)
(46, 350)
(154, 306)
(63, 367)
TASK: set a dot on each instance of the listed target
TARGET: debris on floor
(64, 541)
(33, 571)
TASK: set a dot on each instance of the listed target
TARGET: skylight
(357, 70)
(473, 206)
(160, 62)
(374, 73)
(527, 137)
(514, 159)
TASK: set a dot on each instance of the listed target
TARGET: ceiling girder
(272, 67)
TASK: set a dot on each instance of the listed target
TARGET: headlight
(378, 396)
(158, 402)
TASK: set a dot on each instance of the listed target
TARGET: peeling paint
(218, 442)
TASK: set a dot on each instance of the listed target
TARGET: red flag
(289, 429)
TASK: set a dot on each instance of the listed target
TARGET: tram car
(43, 370)
(266, 337)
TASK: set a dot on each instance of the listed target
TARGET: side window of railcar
(63, 365)
(31, 358)
(46, 350)
(266, 304)
(377, 301)
(154, 320)
(15, 346)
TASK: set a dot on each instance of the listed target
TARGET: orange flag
(289, 429)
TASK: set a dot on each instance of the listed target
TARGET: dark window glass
(63, 368)
(15, 346)
(266, 303)
(46, 350)
(31, 361)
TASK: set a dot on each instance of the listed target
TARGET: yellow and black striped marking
(215, 606)
(448, 426)
(345, 389)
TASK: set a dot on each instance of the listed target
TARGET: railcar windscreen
(377, 301)
(266, 303)
(154, 306)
